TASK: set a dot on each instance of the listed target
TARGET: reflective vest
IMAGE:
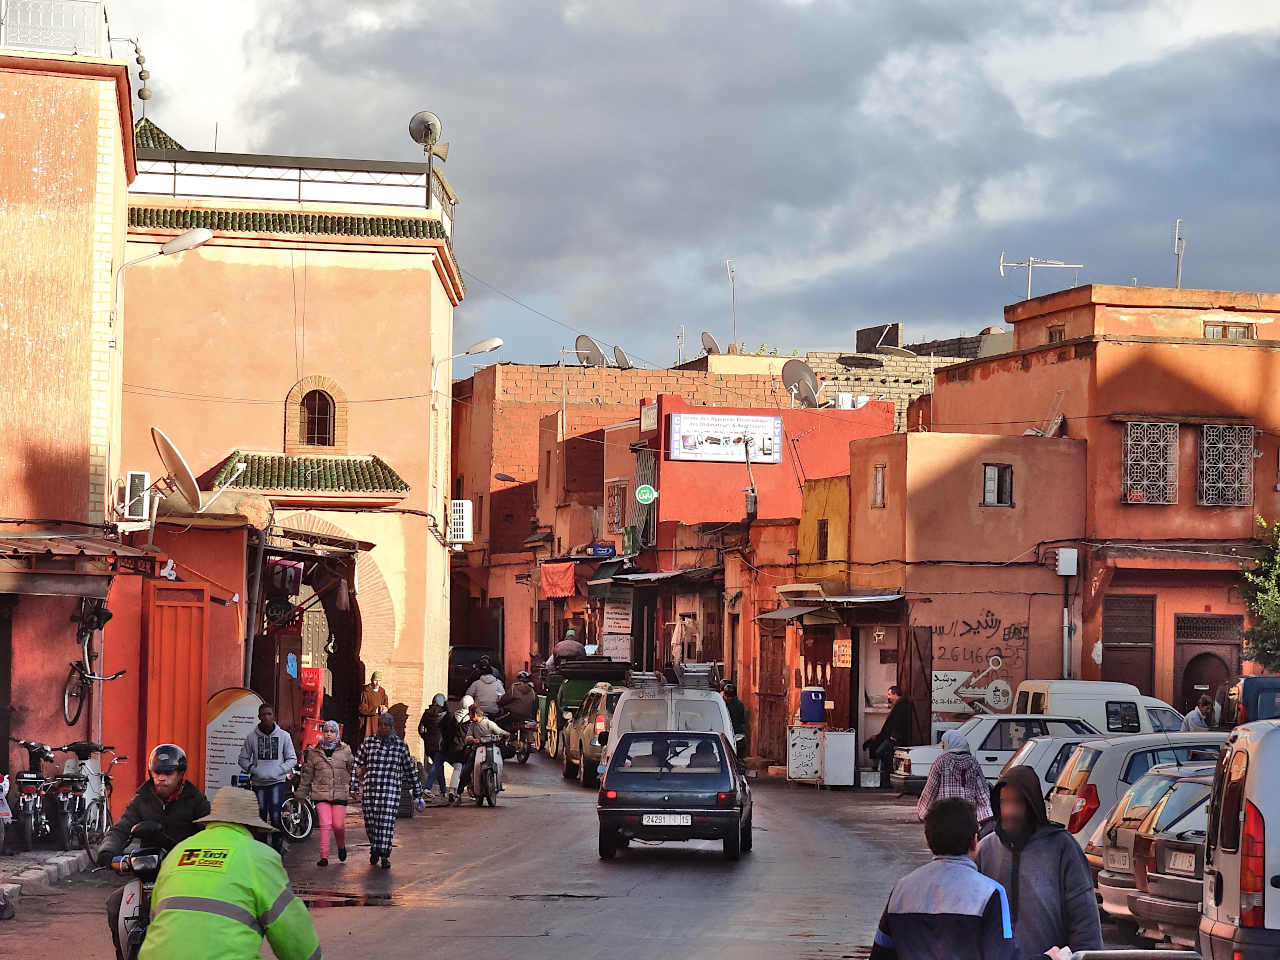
(218, 894)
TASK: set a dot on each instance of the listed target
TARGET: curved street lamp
(179, 244)
(487, 345)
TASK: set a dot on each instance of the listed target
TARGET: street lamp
(487, 345)
(179, 244)
(505, 478)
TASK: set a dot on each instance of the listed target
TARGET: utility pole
(1179, 248)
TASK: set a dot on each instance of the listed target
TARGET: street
(524, 881)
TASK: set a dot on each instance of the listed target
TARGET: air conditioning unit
(460, 523)
(136, 502)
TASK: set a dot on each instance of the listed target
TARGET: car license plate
(1183, 863)
(1116, 860)
(666, 820)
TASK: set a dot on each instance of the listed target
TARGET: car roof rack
(698, 676)
(645, 678)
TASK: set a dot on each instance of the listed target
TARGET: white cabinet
(839, 758)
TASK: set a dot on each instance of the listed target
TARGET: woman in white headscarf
(326, 779)
(957, 773)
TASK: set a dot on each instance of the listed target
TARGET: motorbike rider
(483, 667)
(521, 701)
(477, 727)
(167, 798)
(486, 692)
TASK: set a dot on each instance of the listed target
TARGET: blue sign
(602, 550)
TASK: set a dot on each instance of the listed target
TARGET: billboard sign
(722, 438)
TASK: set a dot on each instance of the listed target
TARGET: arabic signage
(724, 438)
(602, 549)
(648, 417)
(617, 613)
(616, 646)
(228, 717)
(645, 494)
(842, 652)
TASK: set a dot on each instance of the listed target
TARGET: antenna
(1033, 263)
(1179, 248)
(889, 349)
(589, 352)
(680, 345)
(620, 357)
(709, 344)
(733, 297)
(801, 382)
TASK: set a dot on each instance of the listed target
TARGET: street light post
(488, 345)
(179, 244)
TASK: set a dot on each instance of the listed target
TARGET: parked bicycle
(97, 818)
(93, 616)
(297, 814)
(89, 809)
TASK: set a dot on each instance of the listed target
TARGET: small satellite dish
(179, 474)
(424, 128)
(709, 344)
(894, 351)
(589, 352)
(860, 401)
(801, 382)
(620, 357)
(1002, 263)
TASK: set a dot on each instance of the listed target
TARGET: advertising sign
(228, 717)
(617, 612)
(842, 654)
(645, 494)
(723, 438)
(648, 417)
(616, 646)
(602, 549)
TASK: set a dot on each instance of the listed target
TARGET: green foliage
(1262, 593)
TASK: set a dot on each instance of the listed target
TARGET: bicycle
(89, 822)
(297, 814)
(93, 616)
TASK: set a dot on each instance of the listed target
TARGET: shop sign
(648, 417)
(725, 438)
(602, 550)
(842, 654)
(646, 494)
(617, 613)
(616, 646)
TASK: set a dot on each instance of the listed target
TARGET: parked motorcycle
(30, 818)
(486, 778)
(142, 866)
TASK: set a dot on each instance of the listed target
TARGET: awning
(63, 545)
(787, 613)
(863, 598)
(602, 579)
(691, 575)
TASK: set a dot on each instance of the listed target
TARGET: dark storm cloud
(861, 161)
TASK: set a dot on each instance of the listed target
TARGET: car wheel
(608, 843)
(566, 768)
(733, 845)
(586, 772)
(746, 835)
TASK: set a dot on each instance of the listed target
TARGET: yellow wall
(827, 498)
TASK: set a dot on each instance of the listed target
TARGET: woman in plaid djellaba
(382, 766)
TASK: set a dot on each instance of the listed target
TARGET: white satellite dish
(589, 352)
(709, 344)
(801, 382)
(424, 128)
(894, 351)
(621, 359)
(178, 474)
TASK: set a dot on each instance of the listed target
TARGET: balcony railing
(55, 26)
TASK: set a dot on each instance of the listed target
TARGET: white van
(1240, 916)
(662, 707)
(1111, 707)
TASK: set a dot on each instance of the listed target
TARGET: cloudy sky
(862, 161)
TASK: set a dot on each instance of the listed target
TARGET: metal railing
(55, 26)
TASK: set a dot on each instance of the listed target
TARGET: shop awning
(602, 579)
(787, 613)
(691, 575)
(557, 579)
(863, 598)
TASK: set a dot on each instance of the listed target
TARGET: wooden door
(771, 696)
(915, 680)
(1128, 640)
(176, 658)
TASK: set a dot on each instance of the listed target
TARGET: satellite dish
(1002, 263)
(589, 352)
(801, 382)
(179, 474)
(424, 128)
(621, 358)
(894, 351)
(709, 344)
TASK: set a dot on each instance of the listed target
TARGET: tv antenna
(589, 352)
(1179, 248)
(733, 297)
(1035, 263)
(709, 344)
(621, 359)
(802, 383)
(680, 345)
(425, 129)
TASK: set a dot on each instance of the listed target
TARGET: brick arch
(293, 416)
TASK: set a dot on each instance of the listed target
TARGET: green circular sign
(646, 494)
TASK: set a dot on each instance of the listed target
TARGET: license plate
(1183, 863)
(666, 820)
(1116, 860)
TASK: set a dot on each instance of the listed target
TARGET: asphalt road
(524, 881)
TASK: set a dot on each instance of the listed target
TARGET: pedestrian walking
(453, 744)
(429, 729)
(957, 773)
(1042, 867)
(383, 765)
(373, 703)
(947, 910)
(326, 779)
(268, 757)
(896, 731)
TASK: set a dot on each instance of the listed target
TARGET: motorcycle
(142, 866)
(30, 819)
(523, 739)
(486, 779)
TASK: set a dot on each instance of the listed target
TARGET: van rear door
(1222, 844)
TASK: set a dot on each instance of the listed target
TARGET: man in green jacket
(220, 892)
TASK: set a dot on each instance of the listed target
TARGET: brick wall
(878, 376)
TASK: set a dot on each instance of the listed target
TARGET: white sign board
(723, 438)
(616, 646)
(228, 717)
(648, 417)
(617, 611)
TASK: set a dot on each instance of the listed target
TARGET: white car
(1047, 756)
(993, 739)
(645, 709)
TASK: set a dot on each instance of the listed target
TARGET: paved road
(524, 881)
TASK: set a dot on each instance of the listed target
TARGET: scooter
(142, 866)
(297, 814)
(523, 739)
(486, 780)
(30, 819)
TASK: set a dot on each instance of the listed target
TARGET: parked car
(1046, 756)
(462, 663)
(583, 749)
(1168, 862)
(1241, 912)
(1246, 699)
(1099, 771)
(993, 738)
(675, 786)
(1110, 707)
(653, 707)
(1116, 881)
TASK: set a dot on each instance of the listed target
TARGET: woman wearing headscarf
(382, 767)
(957, 773)
(431, 730)
(326, 779)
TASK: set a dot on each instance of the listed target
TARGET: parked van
(645, 709)
(1111, 707)
(1241, 910)
(1246, 699)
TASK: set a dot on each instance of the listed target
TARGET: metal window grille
(317, 419)
(1150, 462)
(59, 26)
(1226, 465)
(1208, 628)
(643, 514)
(616, 505)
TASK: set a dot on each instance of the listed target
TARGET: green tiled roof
(270, 471)
(147, 136)
(267, 221)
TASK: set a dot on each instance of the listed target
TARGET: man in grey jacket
(1042, 868)
(268, 757)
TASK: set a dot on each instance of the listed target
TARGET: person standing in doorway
(268, 757)
(373, 701)
(737, 715)
(383, 766)
(895, 732)
(326, 779)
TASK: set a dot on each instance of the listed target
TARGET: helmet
(439, 700)
(484, 663)
(524, 676)
(731, 689)
(166, 758)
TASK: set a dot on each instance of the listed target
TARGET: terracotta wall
(43, 645)
(122, 725)
(877, 533)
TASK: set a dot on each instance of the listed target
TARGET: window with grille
(1057, 334)
(317, 419)
(997, 485)
(1150, 462)
(643, 516)
(1226, 465)
(1229, 331)
(822, 539)
(615, 496)
(1207, 629)
(877, 486)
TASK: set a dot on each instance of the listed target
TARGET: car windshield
(1055, 768)
(669, 754)
(1185, 797)
(1142, 796)
(1076, 773)
(644, 715)
(694, 714)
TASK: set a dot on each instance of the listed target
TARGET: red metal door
(176, 659)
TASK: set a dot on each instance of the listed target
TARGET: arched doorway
(1205, 673)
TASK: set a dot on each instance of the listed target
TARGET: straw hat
(235, 805)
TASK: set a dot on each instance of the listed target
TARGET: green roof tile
(147, 136)
(270, 221)
(271, 471)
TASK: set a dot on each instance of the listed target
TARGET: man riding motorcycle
(521, 701)
(165, 797)
(477, 727)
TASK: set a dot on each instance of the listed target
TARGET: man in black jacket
(165, 797)
(895, 732)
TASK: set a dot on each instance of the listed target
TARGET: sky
(861, 162)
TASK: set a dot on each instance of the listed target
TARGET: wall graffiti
(978, 660)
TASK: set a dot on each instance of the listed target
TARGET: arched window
(317, 421)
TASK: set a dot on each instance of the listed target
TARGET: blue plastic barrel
(813, 705)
